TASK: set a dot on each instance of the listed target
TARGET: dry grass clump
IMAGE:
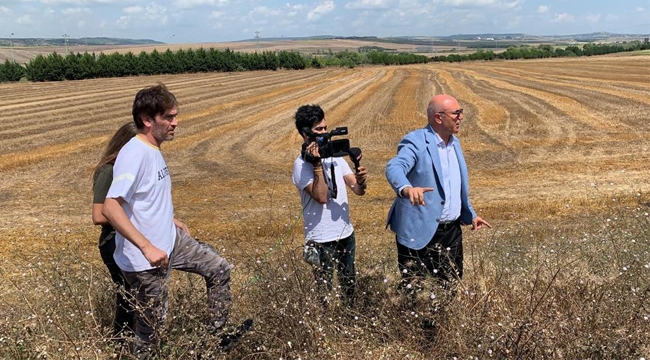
(540, 289)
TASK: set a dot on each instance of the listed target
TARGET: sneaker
(229, 340)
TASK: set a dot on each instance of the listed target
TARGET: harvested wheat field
(557, 151)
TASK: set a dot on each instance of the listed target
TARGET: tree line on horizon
(55, 67)
(544, 51)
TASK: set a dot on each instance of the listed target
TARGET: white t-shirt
(141, 178)
(330, 221)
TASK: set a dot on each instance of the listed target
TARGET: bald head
(441, 115)
(439, 103)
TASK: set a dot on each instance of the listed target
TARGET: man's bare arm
(357, 181)
(318, 188)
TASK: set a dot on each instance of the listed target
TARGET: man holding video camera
(320, 174)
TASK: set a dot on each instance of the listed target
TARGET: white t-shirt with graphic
(141, 178)
(330, 221)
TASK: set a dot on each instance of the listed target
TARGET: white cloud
(465, 2)
(264, 11)
(512, 4)
(367, 4)
(54, 2)
(611, 17)
(153, 15)
(468, 3)
(123, 21)
(81, 2)
(563, 18)
(593, 18)
(76, 11)
(294, 10)
(639, 9)
(4, 10)
(132, 9)
(499, 4)
(542, 9)
(321, 9)
(156, 13)
(216, 15)
(24, 20)
(297, 7)
(187, 4)
(410, 4)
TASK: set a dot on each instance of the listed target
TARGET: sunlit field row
(557, 151)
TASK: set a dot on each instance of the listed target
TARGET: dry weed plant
(543, 289)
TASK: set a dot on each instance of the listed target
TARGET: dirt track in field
(541, 138)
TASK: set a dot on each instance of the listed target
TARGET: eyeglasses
(456, 113)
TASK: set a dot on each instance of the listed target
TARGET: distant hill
(90, 41)
(314, 37)
(483, 40)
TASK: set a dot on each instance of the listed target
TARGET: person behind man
(429, 175)
(325, 208)
(150, 240)
(102, 178)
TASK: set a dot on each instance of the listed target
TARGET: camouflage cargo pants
(151, 287)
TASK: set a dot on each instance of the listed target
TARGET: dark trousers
(339, 254)
(441, 258)
(124, 314)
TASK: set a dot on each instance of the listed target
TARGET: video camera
(331, 148)
(328, 147)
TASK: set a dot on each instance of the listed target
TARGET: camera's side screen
(340, 147)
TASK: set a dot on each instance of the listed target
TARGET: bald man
(429, 176)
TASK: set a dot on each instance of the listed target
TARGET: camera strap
(335, 190)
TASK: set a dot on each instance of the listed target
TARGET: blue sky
(190, 21)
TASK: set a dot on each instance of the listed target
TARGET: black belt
(448, 225)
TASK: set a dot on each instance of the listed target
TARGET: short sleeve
(345, 167)
(103, 180)
(303, 174)
(126, 173)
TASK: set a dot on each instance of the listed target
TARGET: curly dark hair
(307, 116)
(152, 101)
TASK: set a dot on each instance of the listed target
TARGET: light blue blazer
(417, 164)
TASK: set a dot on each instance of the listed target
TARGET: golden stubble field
(552, 146)
(542, 138)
